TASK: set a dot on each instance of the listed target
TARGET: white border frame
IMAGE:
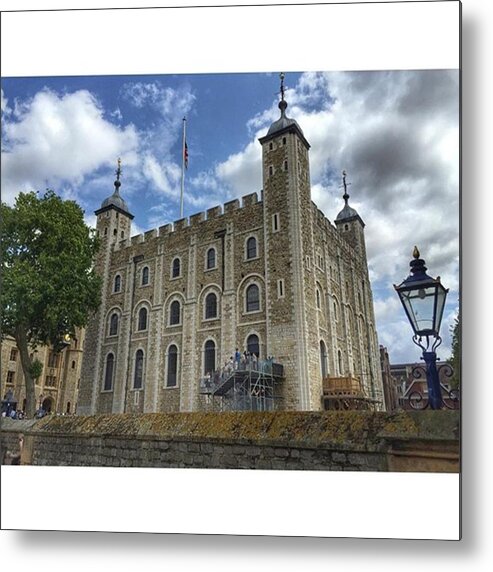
(421, 35)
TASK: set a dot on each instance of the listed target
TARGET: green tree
(48, 284)
(455, 357)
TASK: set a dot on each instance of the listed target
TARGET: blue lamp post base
(434, 391)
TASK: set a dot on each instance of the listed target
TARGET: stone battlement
(190, 222)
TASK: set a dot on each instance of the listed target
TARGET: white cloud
(56, 138)
(5, 105)
(241, 173)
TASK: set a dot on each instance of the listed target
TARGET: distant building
(390, 390)
(270, 275)
(57, 387)
(411, 384)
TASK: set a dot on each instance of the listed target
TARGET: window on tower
(252, 298)
(113, 331)
(211, 258)
(139, 369)
(275, 222)
(251, 248)
(174, 313)
(108, 374)
(145, 275)
(280, 288)
(175, 268)
(142, 321)
(209, 357)
(171, 378)
(210, 306)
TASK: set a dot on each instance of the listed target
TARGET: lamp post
(423, 299)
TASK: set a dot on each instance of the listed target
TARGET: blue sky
(396, 134)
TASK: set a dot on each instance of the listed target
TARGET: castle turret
(350, 224)
(290, 282)
(112, 225)
(113, 217)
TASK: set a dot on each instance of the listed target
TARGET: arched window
(210, 306)
(145, 275)
(68, 407)
(117, 286)
(335, 310)
(339, 361)
(73, 364)
(175, 268)
(252, 298)
(174, 313)
(209, 357)
(251, 248)
(323, 359)
(171, 379)
(211, 258)
(113, 325)
(139, 369)
(142, 322)
(253, 345)
(319, 303)
(108, 374)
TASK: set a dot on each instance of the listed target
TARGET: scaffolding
(249, 387)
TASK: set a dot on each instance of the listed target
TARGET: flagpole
(182, 168)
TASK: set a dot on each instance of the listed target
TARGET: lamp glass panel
(420, 304)
(441, 296)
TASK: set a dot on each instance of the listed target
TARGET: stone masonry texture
(332, 441)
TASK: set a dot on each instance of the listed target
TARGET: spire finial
(282, 104)
(345, 196)
(416, 253)
(118, 172)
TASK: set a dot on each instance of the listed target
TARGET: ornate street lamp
(423, 298)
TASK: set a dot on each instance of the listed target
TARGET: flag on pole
(185, 155)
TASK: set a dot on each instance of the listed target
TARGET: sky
(396, 133)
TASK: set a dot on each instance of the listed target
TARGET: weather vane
(345, 185)
(281, 75)
(118, 172)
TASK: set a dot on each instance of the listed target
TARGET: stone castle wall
(315, 312)
(335, 441)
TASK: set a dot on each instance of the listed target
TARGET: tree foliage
(455, 332)
(48, 287)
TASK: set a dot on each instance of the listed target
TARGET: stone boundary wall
(425, 441)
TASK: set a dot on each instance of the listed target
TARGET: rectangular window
(280, 288)
(275, 222)
(10, 377)
(13, 354)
